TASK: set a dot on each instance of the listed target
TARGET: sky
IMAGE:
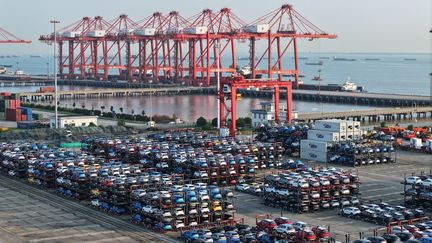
(383, 26)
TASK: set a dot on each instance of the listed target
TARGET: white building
(73, 121)
(267, 114)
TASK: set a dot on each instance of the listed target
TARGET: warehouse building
(266, 114)
(73, 121)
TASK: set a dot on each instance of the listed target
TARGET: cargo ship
(320, 63)
(335, 58)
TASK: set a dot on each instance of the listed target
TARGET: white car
(299, 225)
(242, 187)
(148, 209)
(95, 202)
(426, 183)
(351, 211)
(282, 192)
(285, 229)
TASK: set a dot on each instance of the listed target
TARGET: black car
(398, 216)
(404, 236)
(383, 205)
(408, 214)
(422, 226)
(376, 239)
(384, 218)
(368, 215)
(419, 213)
(390, 238)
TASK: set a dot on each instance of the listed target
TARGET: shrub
(201, 121)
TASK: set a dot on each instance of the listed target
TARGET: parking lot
(378, 182)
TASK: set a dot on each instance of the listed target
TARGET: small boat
(372, 59)
(317, 78)
(293, 75)
(315, 63)
(243, 58)
(335, 58)
(35, 56)
(350, 86)
(409, 59)
(324, 57)
(302, 58)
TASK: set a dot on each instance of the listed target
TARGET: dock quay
(387, 114)
(104, 93)
(355, 98)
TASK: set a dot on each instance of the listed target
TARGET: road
(28, 214)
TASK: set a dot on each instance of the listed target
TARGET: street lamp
(218, 83)
(151, 102)
(54, 22)
(47, 71)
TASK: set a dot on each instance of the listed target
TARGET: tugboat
(317, 78)
(351, 86)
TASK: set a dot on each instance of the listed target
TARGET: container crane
(8, 38)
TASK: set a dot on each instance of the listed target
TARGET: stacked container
(26, 114)
(13, 114)
(8, 100)
(325, 135)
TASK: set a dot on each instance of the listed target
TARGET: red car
(322, 232)
(412, 228)
(307, 235)
(283, 220)
(266, 224)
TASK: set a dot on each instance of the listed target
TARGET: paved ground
(30, 215)
(378, 182)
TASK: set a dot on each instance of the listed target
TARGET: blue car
(137, 218)
(190, 235)
(117, 210)
(104, 206)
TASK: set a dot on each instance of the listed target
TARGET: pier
(105, 93)
(388, 114)
(354, 98)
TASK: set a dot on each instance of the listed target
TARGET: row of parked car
(281, 229)
(382, 213)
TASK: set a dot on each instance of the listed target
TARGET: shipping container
(5, 94)
(325, 136)
(71, 34)
(358, 135)
(331, 125)
(416, 143)
(314, 145)
(342, 136)
(2, 115)
(313, 155)
(146, 32)
(13, 114)
(198, 30)
(96, 33)
(23, 117)
(259, 28)
(46, 89)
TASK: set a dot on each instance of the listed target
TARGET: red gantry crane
(280, 29)
(8, 38)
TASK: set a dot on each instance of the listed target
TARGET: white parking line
(71, 236)
(382, 195)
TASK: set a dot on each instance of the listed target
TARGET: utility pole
(218, 82)
(54, 22)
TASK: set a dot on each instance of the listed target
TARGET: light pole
(47, 71)
(218, 83)
(151, 102)
(54, 22)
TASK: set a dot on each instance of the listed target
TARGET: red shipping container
(23, 117)
(6, 94)
(13, 114)
(18, 103)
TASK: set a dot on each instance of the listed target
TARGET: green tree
(91, 124)
(121, 109)
(383, 124)
(121, 122)
(73, 105)
(248, 121)
(201, 121)
(112, 109)
(214, 122)
(240, 122)
(410, 127)
(102, 108)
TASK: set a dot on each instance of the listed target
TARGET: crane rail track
(128, 229)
